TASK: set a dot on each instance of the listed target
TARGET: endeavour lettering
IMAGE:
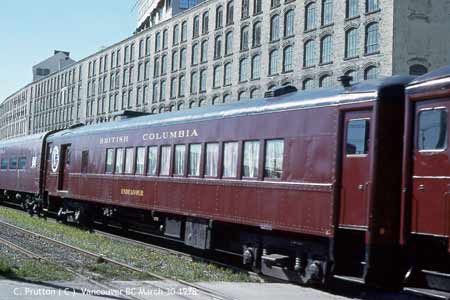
(113, 140)
(170, 135)
(129, 192)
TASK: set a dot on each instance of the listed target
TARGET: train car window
(432, 130)
(165, 161)
(273, 164)
(230, 159)
(22, 163)
(84, 161)
(109, 161)
(152, 160)
(129, 160)
(358, 137)
(251, 159)
(4, 164)
(212, 159)
(140, 160)
(119, 161)
(13, 163)
(180, 154)
(195, 154)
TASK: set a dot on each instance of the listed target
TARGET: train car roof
(436, 77)
(24, 139)
(360, 92)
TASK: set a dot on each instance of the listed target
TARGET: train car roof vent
(280, 91)
(346, 81)
(128, 114)
(76, 125)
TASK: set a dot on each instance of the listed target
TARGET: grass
(138, 256)
(32, 270)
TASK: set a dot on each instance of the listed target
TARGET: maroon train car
(303, 185)
(20, 167)
(426, 187)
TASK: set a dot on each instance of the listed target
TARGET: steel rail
(204, 290)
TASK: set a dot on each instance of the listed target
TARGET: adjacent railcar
(303, 185)
(426, 187)
(21, 162)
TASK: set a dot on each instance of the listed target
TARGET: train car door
(355, 170)
(63, 176)
(431, 169)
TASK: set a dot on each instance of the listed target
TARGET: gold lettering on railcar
(113, 140)
(131, 192)
(170, 134)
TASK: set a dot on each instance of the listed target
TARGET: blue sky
(31, 29)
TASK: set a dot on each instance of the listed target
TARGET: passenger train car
(303, 186)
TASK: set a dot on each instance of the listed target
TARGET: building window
(158, 41)
(245, 8)
(230, 13)
(275, 28)
(164, 65)
(173, 88)
(372, 38)
(179, 163)
(325, 81)
(229, 43)
(309, 53)
(212, 159)
(205, 23)
(327, 12)
(308, 84)
(156, 67)
(230, 159)
(140, 160)
(257, 6)
(417, 70)
(195, 53)
(195, 151)
(147, 46)
(326, 50)
(273, 164)
(162, 94)
(287, 59)
(289, 23)
(194, 82)
(196, 27)
(129, 160)
(165, 39)
(310, 16)
(203, 78)
(357, 142)
(219, 17)
(372, 5)
(204, 52)
(256, 67)
(152, 160)
(181, 86)
(155, 93)
(243, 69)
(217, 76)
(109, 161)
(244, 38)
(227, 74)
(371, 73)
(184, 31)
(254, 93)
(432, 131)
(119, 161)
(353, 74)
(183, 58)
(351, 43)
(174, 61)
(165, 161)
(352, 8)
(250, 165)
(176, 35)
(257, 34)
(273, 62)
(218, 47)
(147, 70)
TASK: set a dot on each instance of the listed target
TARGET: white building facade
(224, 51)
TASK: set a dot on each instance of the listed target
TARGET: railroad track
(98, 257)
